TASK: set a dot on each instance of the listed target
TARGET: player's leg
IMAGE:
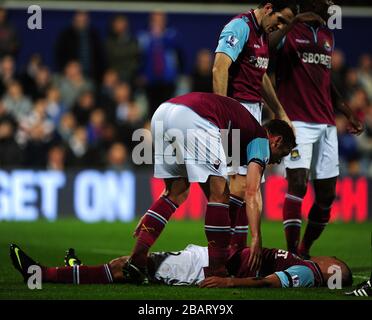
(156, 217)
(205, 162)
(217, 223)
(292, 209)
(324, 173)
(168, 135)
(320, 213)
(237, 211)
(238, 215)
(101, 274)
(298, 165)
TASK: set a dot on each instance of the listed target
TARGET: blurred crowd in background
(83, 114)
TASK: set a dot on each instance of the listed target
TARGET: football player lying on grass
(279, 269)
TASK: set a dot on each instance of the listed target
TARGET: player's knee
(183, 196)
(238, 186)
(177, 190)
(219, 195)
(178, 198)
(297, 182)
(325, 200)
(297, 187)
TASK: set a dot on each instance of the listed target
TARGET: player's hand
(255, 259)
(356, 126)
(309, 17)
(216, 282)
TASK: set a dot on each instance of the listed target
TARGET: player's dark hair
(282, 128)
(279, 5)
(347, 277)
(307, 5)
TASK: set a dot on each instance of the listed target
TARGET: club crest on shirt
(252, 60)
(217, 164)
(327, 46)
(232, 41)
(296, 281)
(295, 155)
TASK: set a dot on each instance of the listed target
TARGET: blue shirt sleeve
(296, 277)
(233, 38)
(258, 150)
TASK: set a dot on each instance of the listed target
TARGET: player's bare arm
(356, 125)
(221, 67)
(253, 209)
(272, 101)
(287, 25)
(271, 281)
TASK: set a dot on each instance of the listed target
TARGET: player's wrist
(230, 282)
(256, 236)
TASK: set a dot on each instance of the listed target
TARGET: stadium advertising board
(92, 196)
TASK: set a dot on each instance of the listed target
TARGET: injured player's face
(329, 266)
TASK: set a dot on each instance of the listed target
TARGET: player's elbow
(272, 281)
(215, 72)
(218, 70)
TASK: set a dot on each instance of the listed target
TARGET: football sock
(239, 223)
(150, 227)
(78, 274)
(317, 221)
(217, 229)
(292, 221)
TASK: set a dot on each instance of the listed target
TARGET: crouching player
(279, 269)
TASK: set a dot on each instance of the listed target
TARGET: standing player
(188, 148)
(304, 88)
(242, 58)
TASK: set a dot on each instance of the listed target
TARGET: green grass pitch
(98, 243)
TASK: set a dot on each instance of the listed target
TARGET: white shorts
(186, 145)
(182, 268)
(256, 110)
(317, 150)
